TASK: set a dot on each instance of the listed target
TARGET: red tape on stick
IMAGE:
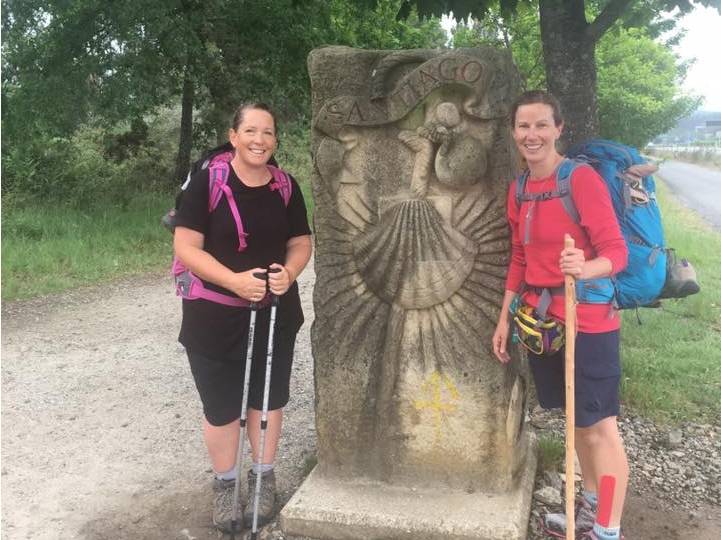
(605, 500)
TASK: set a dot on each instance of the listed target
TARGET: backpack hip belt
(189, 287)
(588, 291)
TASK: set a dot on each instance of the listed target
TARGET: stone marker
(421, 432)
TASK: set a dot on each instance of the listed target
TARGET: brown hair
(537, 96)
(240, 112)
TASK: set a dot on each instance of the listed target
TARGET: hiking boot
(223, 504)
(555, 524)
(266, 502)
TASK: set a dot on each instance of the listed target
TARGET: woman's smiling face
(535, 132)
(254, 138)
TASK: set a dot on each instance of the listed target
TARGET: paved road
(697, 187)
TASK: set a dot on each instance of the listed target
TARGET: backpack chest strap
(543, 196)
(562, 191)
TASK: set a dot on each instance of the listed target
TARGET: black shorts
(597, 380)
(220, 380)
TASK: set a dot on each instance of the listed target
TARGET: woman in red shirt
(540, 261)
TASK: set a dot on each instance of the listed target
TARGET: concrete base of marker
(332, 509)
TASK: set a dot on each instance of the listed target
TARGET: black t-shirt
(217, 330)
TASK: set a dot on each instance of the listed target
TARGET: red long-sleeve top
(597, 233)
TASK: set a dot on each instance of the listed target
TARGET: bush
(293, 154)
(83, 169)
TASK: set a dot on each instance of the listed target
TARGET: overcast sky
(703, 41)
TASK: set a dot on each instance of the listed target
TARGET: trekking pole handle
(275, 299)
(264, 277)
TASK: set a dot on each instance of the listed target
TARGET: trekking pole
(570, 373)
(264, 414)
(244, 413)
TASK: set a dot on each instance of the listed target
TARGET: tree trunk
(182, 164)
(569, 57)
(222, 108)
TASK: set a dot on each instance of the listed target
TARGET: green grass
(672, 361)
(551, 453)
(49, 249)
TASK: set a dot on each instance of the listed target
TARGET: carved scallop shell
(412, 257)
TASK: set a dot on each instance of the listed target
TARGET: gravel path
(675, 478)
(101, 439)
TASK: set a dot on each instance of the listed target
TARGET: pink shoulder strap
(281, 182)
(219, 170)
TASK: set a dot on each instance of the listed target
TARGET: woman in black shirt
(215, 335)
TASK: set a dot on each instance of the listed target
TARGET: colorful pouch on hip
(538, 336)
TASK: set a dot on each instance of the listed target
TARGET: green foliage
(462, 9)
(570, 31)
(639, 94)
(86, 64)
(112, 229)
(293, 155)
(93, 166)
(519, 31)
(378, 27)
(119, 60)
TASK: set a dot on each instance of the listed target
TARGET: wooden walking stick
(570, 295)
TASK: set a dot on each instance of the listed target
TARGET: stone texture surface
(412, 155)
(331, 509)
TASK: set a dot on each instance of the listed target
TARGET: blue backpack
(633, 194)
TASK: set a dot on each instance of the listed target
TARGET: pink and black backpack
(188, 285)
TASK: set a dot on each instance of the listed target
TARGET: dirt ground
(100, 424)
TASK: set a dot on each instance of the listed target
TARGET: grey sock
(262, 468)
(227, 475)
